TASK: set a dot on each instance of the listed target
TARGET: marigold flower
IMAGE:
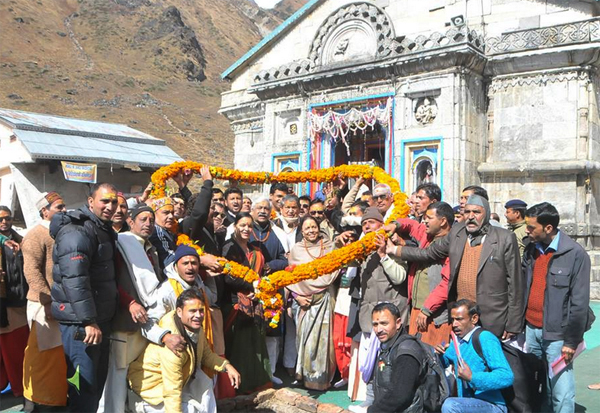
(268, 287)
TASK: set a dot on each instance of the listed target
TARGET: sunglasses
(220, 216)
(304, 206)
(6, 219)
(317, 212)
(378, 197)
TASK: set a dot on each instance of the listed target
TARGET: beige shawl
(303, 252)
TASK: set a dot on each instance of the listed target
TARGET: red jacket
(438, 297)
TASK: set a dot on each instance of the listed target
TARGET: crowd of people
(103, 311)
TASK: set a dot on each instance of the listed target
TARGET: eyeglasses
(378, 197)
(304, 206)
(317, 212)
(6, 219)
(220, 215)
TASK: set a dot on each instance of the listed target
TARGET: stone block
(226, 405)
(307, 403)
(287, 396)
(329, 408)
(263, 396)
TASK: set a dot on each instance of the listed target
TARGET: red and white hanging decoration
(338, 125)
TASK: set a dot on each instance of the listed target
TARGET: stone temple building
(501, 93)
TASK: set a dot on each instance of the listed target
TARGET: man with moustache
(304, 204)
(384, 199)
(233, 203)
(119, 219)
(138, 280)
(263, 233)
(481, 378)
(84, 293)
(399, 364)
(275, 260)
(44, 367)
(287, 223)
(163, 237)
(475, 190)
(217, 196)
(428, 283)
(484, 267)
(195, 223)
(382, 278)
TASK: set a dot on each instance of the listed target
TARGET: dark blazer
(500, 282)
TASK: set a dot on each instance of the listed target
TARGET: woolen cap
(515, 203)
(183, 251)
(138, 209)
(372, 213)
(47, 198)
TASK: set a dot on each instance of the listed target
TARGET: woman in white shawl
(313, 310)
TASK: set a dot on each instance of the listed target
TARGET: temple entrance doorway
(364, 146)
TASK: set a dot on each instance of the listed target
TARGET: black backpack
(529, 387)
(433, 387)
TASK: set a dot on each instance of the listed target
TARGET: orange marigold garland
(268, 286)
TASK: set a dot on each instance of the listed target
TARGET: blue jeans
(87, 367)
(561, 389)
(471, 405)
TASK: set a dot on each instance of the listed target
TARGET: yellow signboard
(80, 172)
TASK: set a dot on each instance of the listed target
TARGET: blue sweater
(484, 385)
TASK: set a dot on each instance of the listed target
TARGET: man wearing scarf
(286, 225)
(138, 277)
(485, 267)
(183, 274)
(275, 259)
(165, 229)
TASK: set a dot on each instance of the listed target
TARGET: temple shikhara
(501, 93)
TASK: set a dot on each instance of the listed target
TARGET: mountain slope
(153, 65)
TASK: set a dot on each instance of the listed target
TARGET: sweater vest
(535, 304)
(466, 284)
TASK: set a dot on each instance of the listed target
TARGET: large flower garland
(268, 286)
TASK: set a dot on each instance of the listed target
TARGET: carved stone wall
(563, 34)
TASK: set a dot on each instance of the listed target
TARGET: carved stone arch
(368, 22)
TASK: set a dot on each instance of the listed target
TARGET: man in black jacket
(398, 367)
(84, 294)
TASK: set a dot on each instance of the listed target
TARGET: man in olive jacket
(485, 268)
(84, 293)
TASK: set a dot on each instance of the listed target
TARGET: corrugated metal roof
(70, 126)
(271, 36)
(43, 145)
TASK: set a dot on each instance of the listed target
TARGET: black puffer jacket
(85, 288)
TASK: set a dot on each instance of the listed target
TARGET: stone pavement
(587, 371)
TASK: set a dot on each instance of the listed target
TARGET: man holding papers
(480, 378)
(557, 270)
